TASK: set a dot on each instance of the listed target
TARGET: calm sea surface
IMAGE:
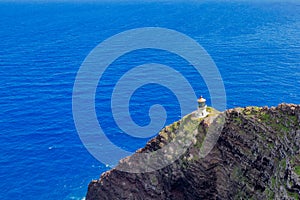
(256, 47)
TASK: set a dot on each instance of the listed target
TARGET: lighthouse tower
(202, 108)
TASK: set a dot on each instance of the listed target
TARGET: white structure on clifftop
(201, 112)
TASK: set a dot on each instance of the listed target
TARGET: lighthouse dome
(201, 100)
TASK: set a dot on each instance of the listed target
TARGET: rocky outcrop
(256, 156)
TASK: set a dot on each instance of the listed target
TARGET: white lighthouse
(202, 108)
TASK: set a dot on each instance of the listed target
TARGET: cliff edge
(256, 156)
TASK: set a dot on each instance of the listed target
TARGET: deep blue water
(256, 47)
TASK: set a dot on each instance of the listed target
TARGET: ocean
(255, 45)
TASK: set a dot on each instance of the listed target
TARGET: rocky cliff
(256, 156)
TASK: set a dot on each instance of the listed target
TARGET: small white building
(201, 112)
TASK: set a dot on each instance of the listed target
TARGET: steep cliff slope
(256, 157)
